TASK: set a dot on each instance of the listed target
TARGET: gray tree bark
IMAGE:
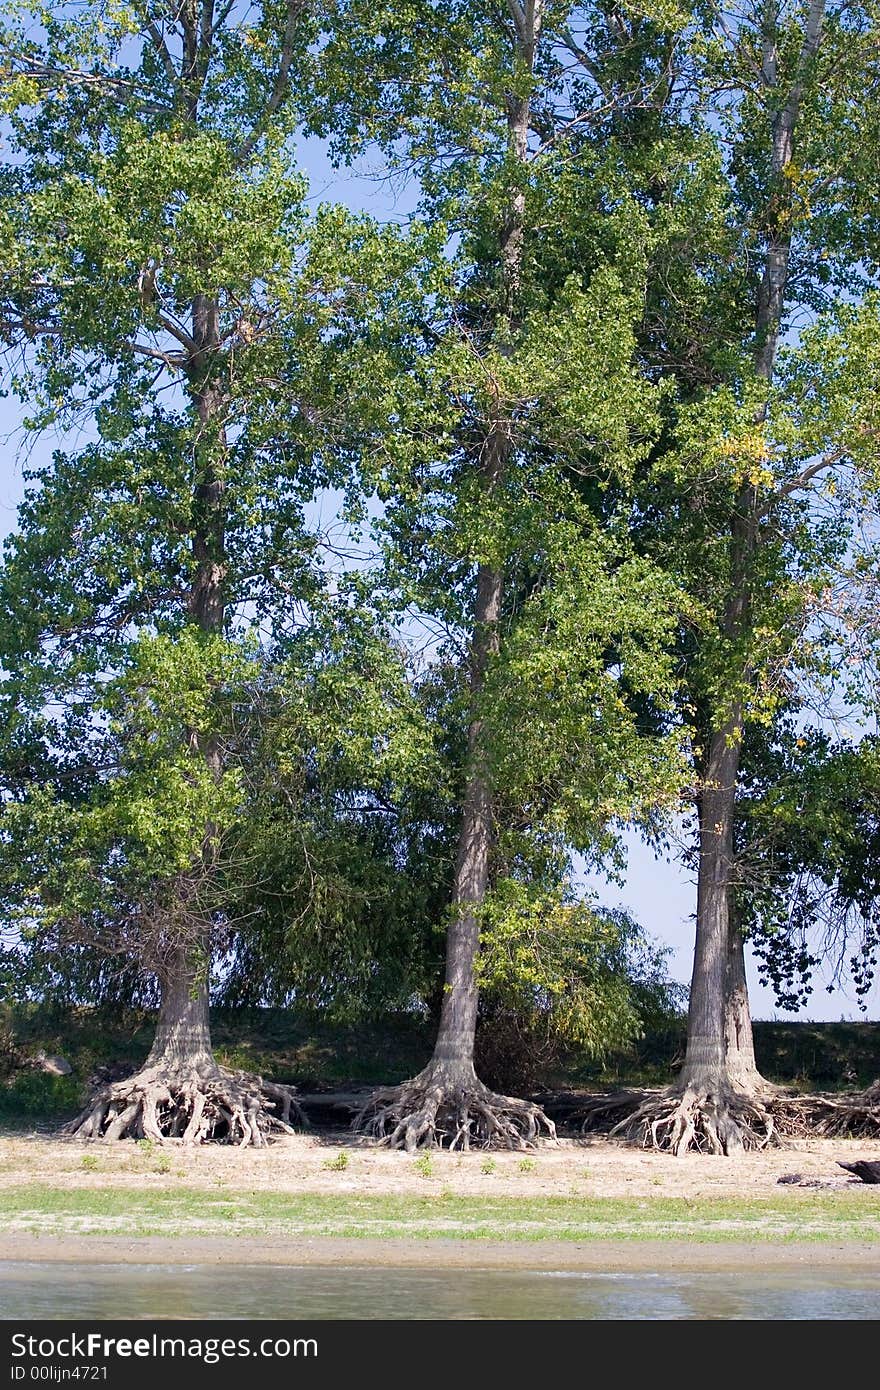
(742, 1068)
(183, 1038)
(182, 1044)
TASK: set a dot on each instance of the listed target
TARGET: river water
(55, 1290)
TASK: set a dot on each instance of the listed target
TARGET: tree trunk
(183, 1031)
(742, 1069)
(705, 1059)
(183, 1024)
(458, 1018)
(714, 1107)
(183, 1038)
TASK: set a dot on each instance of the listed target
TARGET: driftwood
(864, 1168)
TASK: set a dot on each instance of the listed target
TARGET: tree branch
(221, 17)
(162, 52)
(795, 484)
(111, 86)
(177, 332)
(279, 90)
(586, 62)
(518, 15)
(207, 30)
(175, 361)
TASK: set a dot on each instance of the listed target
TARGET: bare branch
(162, 52)
(173, 360)
(806, 476)
(171, 326)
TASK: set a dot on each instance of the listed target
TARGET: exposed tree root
(695, 1120)
(840, 1115)
(190, 1106)
(436, 1109)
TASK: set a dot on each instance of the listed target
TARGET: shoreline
(599, 1256)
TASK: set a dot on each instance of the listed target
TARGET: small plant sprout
(424, 1166)
(337, 1164)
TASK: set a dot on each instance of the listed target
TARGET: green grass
(34, 1095)
(793, 1216)
(337, 1164)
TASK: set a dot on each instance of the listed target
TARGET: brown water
(53, 1290)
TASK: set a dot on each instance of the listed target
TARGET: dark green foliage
(34, 1095)
(809, 860)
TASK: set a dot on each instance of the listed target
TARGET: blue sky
(661, 895)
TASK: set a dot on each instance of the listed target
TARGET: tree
(165, 283)
(563, 981)
(757, 547)
(516, 389)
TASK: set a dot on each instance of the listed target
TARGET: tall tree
(164, 280)
(521, 389)
(761, 549)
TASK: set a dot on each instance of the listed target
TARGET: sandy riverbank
(605, 1256)
(301, 1164)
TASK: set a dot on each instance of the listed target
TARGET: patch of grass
(159, 1162)
(89, 1163)
(337, 1164)
(424, 1166)
(793, 1216)
(39, 1095)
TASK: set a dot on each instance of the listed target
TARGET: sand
(602, 1256)
(594, 1167)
